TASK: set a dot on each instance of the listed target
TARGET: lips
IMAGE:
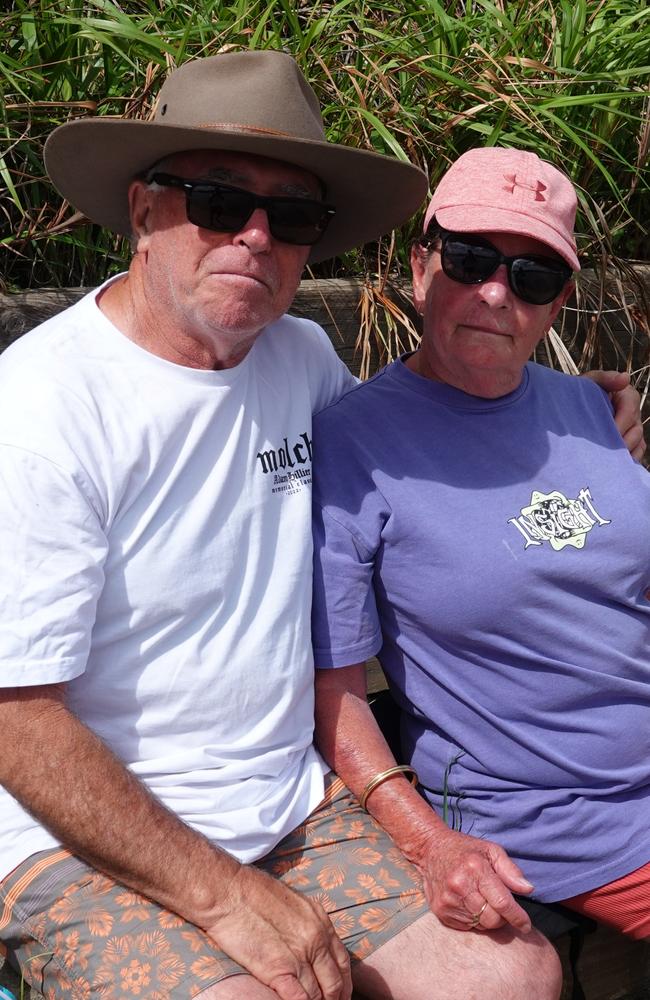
(247, 275)
(486, 329)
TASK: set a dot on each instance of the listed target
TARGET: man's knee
(532, 966)
(429, 961)
(514, 966)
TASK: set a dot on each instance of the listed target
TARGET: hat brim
(93, 161)
(491, 219)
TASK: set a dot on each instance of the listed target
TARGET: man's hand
(284, 939)
(465, 877)
(627, 408)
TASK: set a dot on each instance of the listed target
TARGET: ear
(140, 208)
(420, 277)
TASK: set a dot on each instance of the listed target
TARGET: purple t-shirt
(495, 554)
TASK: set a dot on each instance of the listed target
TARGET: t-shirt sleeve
(333, 377)
(345, 622)
(350, 516)
(52, 551)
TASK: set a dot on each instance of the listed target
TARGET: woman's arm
(460, 873)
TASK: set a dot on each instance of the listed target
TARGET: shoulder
(50, 386)
(35, 369)
(551, 378)
(294, 333)
(360, 399)
(299, 352)
(55, 335)
(574, 389)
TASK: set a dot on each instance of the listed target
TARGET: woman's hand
(469, 883)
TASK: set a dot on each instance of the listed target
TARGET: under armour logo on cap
(535, 186)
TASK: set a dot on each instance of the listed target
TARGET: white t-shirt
(155, 554)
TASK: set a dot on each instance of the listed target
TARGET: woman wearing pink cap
(481, 527)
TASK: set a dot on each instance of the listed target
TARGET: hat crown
(494, 189)
(260, 92)
(254, 103)
(507, 178)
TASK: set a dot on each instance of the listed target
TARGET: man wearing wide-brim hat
(167, 828)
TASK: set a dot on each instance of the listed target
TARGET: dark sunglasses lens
(536, 282)
(226, 210)
(468, 263)
(296, 220)
(220, 209)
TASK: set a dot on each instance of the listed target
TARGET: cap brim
(491, 219)
(92, 162)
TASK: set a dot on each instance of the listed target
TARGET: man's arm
(460, 873)
(627, 408)
(72, 783)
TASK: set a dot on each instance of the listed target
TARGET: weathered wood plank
(335, 305)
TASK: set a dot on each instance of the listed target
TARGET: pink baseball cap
(508, 191)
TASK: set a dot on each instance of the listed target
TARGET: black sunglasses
(227, 209)
(471, 260)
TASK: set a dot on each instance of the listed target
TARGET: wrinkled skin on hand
(284, 939)
(627, 408)
(462, 873)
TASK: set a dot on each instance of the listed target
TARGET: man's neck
(125, 303)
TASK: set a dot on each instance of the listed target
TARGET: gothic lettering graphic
(289, 463)
(554, 518)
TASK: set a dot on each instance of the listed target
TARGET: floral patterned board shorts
(76, 934)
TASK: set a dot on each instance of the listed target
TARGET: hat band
(238, 127)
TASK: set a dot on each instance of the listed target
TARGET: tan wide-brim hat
(244, 102)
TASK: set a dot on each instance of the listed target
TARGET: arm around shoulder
(627, 408)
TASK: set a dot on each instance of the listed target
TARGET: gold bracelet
(383, 776)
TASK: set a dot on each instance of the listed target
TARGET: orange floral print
(79, 989)
(374, 919)
(71, 951)
(136, 907)
(207, 966)
(362, 948)
(330, 876)
(153, 944)
(135, 977)
(167, 919)
(171, 970)
(372, 887)
(291, 865)
(366, 856)
(343, 923)
(195, 939)
(72, 909)
(386, 879)
(325, 901)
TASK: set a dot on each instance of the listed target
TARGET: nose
(496, 292)
(255, 233)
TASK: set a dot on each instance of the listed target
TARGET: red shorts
(623, 904)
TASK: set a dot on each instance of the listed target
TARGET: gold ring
(476, 917)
